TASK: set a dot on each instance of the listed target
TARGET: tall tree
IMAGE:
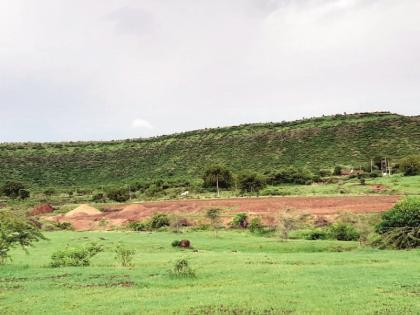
(217, 176)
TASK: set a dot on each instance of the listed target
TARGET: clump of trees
(251, 182)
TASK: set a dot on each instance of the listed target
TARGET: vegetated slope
(314, 143)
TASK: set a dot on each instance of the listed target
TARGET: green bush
(251, 182)
(317, 234)
(255, 226)
(159, 220)
(16, 231)
(410, 165)
(240, 220)
(118, 195)
(293, 175)
(405, 213)
(14, 190)
(400, 226)
(343, 232)
(99, 197)
(175, 243)
(64, 226)
(182, 269)
(75, 256)
(337, 170)
(124, 255)
(139, 226)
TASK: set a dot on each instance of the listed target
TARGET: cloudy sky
(84, 70)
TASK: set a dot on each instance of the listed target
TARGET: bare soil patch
(266, 208)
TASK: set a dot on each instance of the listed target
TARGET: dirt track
(267, 208)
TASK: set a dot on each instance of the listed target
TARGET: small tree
(119, 194)
(337, 170)
(251, 182)
(124, 255)
(410, 165)
(286, 223)
(240, 220)
(217, 176)
(16, 231)
(13, 189)
(214, 216)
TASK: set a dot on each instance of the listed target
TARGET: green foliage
(16, 231)
(255, 226)
(316, 143)
(67, 226)
(251, 182)
(337, 170)
(182, 269)
(343, 232)
(217, 175)
(159, 220)
(118, 194)
(139, 226)
(75, 256)
(240, 220)
(317, 234)
(175, 243)
(405, 213)
(410, 165)
(24, 194)
(99, 197)
(124, 255)
(293, 175)
(400, 226)
(13, 189)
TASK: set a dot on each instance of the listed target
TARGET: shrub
(99, 197)
(400, 226)
(410, 165)
(317, 234)
(139, 226)
(255, 226)
(16, 231)
(118, 195)
(251, 182)
(124, 255)
(337, 170)
(293, 175)
(182, 269)
(406, 213)
(175, 243)
(24, 194)
(75, 256)
(64, 225)
(343, 232)
(240, 220)
(13, 189)
(159, 220)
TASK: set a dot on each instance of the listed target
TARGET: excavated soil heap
(83, 210)
(130, 213)
(41, 209)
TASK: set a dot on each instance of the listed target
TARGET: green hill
(314, 143)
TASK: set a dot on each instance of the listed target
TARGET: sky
(98, 70)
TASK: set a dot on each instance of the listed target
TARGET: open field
(265, 208)
(237, 273)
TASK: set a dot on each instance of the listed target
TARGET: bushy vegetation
(182, 269)
(159, 220)
(410, 165)
(75, 256)
(13, 189)
(343, 232)
(16, 231)
(251, 182)
(400, 226)
(118, 194)
(124, 255)
(318, 143)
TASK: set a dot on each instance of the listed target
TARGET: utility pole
(371, 165)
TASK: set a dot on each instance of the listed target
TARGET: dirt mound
(130, 213)
(83, 210)
(41, 209)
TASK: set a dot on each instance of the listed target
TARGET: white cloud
(141, 124)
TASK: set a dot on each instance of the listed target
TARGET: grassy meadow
(236, 273)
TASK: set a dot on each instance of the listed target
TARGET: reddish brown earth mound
(266, 208)
(41, 209)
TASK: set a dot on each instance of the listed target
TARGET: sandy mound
(131, 212)
(83, 210)
(41, 209)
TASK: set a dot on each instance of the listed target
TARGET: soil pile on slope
(83, 210)
(41, 209)
(130, 213)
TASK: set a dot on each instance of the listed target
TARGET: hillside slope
(315, 143)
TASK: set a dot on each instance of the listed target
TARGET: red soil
(41, 209)
(267, 208)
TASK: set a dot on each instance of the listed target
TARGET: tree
(287, 222)
(12, 189)
(219, 176)
(337, 170)
(410, 165)
(214, 215)
(16, 231)
(251, 182)
(118, 195)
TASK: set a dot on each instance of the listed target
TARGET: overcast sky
(98, 70)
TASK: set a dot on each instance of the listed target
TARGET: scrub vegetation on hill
(179, 159)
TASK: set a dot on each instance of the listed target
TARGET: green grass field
(237, 273)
